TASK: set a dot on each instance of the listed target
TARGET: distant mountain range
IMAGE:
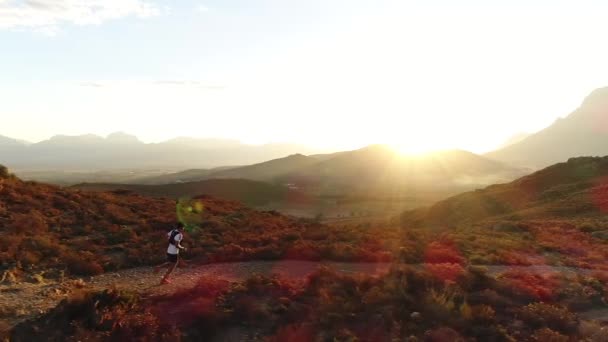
(123, 151)
(582, 133)
(375, 169)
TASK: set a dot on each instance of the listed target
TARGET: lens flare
(189, 213)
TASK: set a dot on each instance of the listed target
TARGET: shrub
(548, 335)
(80, 265)
(445, 272)
(28, 258)
(552, 316)
(439, 253)
(532, 286)
(31, 223)
(483, 313)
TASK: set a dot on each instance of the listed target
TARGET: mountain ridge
(120, 150)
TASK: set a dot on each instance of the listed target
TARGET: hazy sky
(424, 74)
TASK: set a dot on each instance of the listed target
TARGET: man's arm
(179, 242)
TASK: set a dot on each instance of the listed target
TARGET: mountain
(209, 143)
(380, 168)
(582, 133)
(577, 188)
(515, 139)
(246, 191)
(266, 171)
(6, 141)
(269, 170)
(121, 151)
(11, 149)
(123, 138)
(377, 168)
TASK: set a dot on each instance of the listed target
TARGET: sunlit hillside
(576, 188)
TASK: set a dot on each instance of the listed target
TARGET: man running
(175, 238)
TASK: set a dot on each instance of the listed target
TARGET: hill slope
(577, 188)
(49, 228)
(582, 133)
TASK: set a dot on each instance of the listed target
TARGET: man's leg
(163, 265)
(169, 271)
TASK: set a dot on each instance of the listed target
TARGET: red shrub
(442, 252)
(537, 286)
(294, 333)
(445, 272)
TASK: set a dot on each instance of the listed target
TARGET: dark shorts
(172, 257)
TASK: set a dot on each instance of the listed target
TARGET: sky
(334, 74)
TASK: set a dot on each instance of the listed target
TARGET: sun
(411, 150)
(418, 148)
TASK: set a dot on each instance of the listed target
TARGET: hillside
(48, 228)
(577, 188)
(242, 190)
(582, 133)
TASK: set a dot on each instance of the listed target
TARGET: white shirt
(172, 249)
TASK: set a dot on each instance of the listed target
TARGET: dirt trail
(21, 301)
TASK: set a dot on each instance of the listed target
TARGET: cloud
(47, 16)
(91, 84)
(196, 84)
(202, 8)
(148, 83)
